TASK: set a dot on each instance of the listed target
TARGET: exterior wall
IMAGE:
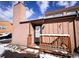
(71, 32)
(58, 27)
(46, 31)
(30, 40)
(8, 26)
(77, 32)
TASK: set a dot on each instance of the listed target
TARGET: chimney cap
(18, 3)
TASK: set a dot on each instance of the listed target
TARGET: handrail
(54, 35)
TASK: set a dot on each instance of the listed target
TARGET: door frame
(40, 33)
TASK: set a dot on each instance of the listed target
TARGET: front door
(37, 34)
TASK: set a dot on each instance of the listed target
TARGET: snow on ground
(36, 46)
(4, 47)
(32, 50)
(47, 56)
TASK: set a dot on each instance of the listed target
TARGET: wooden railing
(60, 44)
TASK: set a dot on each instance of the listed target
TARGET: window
(57, 15)
(3, 27)
(62, 14)
(78, 12)
(37, 31)
(37, 34)
(71, 13)
(54, 15)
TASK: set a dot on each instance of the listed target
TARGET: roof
(47, 20)
(7, 22)
(39, 21)
(62, 10)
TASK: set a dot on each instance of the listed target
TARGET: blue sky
(34, 9)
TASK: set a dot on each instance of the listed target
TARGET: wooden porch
(60, 45)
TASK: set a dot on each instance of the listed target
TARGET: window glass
(78, 12)
(3, 27)
(71, 13)
(37, 31)
(62, 14)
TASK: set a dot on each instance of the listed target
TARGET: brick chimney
(19, 12)
(19, 35)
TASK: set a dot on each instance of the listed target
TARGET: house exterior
(27, 33)
(6, 29)
(5, 26)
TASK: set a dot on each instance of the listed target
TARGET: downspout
(29, 28)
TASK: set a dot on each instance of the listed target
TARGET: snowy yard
(32, 52)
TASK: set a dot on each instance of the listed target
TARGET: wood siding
(58, 28)
(77, 32)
